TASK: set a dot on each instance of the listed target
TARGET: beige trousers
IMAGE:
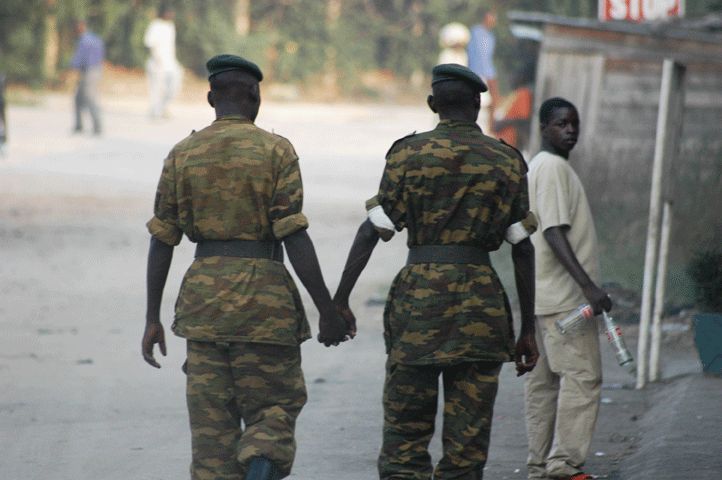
(562, 398)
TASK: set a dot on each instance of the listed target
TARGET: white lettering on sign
(640, 10)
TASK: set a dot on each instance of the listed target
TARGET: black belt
(448, 254)
(240, 248)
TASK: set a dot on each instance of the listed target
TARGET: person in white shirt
(164, 72)
(562, 393)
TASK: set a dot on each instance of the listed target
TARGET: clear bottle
(614, 335)
(575, 319)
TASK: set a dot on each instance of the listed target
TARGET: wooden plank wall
(617, 93)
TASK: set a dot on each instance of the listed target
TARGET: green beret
(454, 71)
(226, 62)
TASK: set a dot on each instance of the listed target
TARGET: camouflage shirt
(451, 186)
(233, 180)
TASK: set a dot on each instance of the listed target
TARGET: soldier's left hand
(526, 354)
(153, 334)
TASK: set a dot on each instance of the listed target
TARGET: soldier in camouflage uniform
(236, 191)
(459, 194)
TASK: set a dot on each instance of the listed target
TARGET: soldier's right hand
(153, 334)
(332, 328)
(345, 311)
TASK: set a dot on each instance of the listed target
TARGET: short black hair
(236, 85)
(453, 94)
(551, 104)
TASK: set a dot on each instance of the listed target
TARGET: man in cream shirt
(164, 72)
(563, 391)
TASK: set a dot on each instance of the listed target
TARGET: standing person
(235, 190)
(3, 123)
(458, 192)
(453, 39)
(562, 393)
(164, 72)
(88, 60)
(481, 58)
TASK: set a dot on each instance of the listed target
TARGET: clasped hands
(336, 324)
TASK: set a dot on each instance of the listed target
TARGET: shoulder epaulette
(400, 140)
(525, 167)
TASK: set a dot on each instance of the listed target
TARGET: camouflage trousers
(243, 401)
(410, 400)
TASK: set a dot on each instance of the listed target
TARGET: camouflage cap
(454, 71)
(227, 62)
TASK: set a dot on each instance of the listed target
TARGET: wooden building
(612, 72)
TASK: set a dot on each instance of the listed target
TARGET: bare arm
(522, 255)
(597, 298)
(160, 256)
(302, 255)
(363, 246)
(359, 255)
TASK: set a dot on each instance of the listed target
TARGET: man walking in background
(481, 61)
(88, 60)
(3, 124)
(164, 72)
(236, 191)
(459, 193)
(562, 393)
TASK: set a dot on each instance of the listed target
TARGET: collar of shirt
(447, 123)
(232, 118)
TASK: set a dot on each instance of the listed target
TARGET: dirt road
(76, 399)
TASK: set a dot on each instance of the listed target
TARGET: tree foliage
(293, 40)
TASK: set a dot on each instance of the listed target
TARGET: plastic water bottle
(614, 335)
(575, 319)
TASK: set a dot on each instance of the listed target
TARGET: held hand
(332, 328)
(349, 318)
(526, 354)
(598, 299)
(153, 334)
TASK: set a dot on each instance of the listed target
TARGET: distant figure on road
(236, 191)
(459, 193)
(481, 61)
(562, 393)
(453, 39)
(3, 123)
(88, 60)
(164, 72)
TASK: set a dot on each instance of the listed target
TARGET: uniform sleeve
(520, 202)
(285, 213)
(164, 224)
(390, 196)
(381, 222)
(552, 194)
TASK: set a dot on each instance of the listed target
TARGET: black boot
(261, 468)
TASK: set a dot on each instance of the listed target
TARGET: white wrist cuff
(516, 233)
(379, 218)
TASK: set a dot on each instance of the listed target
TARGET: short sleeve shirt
(557, 199)
(233, 181)
(451, 186)
(481, 52)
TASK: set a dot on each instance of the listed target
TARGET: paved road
(76, 400)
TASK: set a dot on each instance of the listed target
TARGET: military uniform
(242, 317)
(450, 186)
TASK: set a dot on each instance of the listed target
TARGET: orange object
(519, 109)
